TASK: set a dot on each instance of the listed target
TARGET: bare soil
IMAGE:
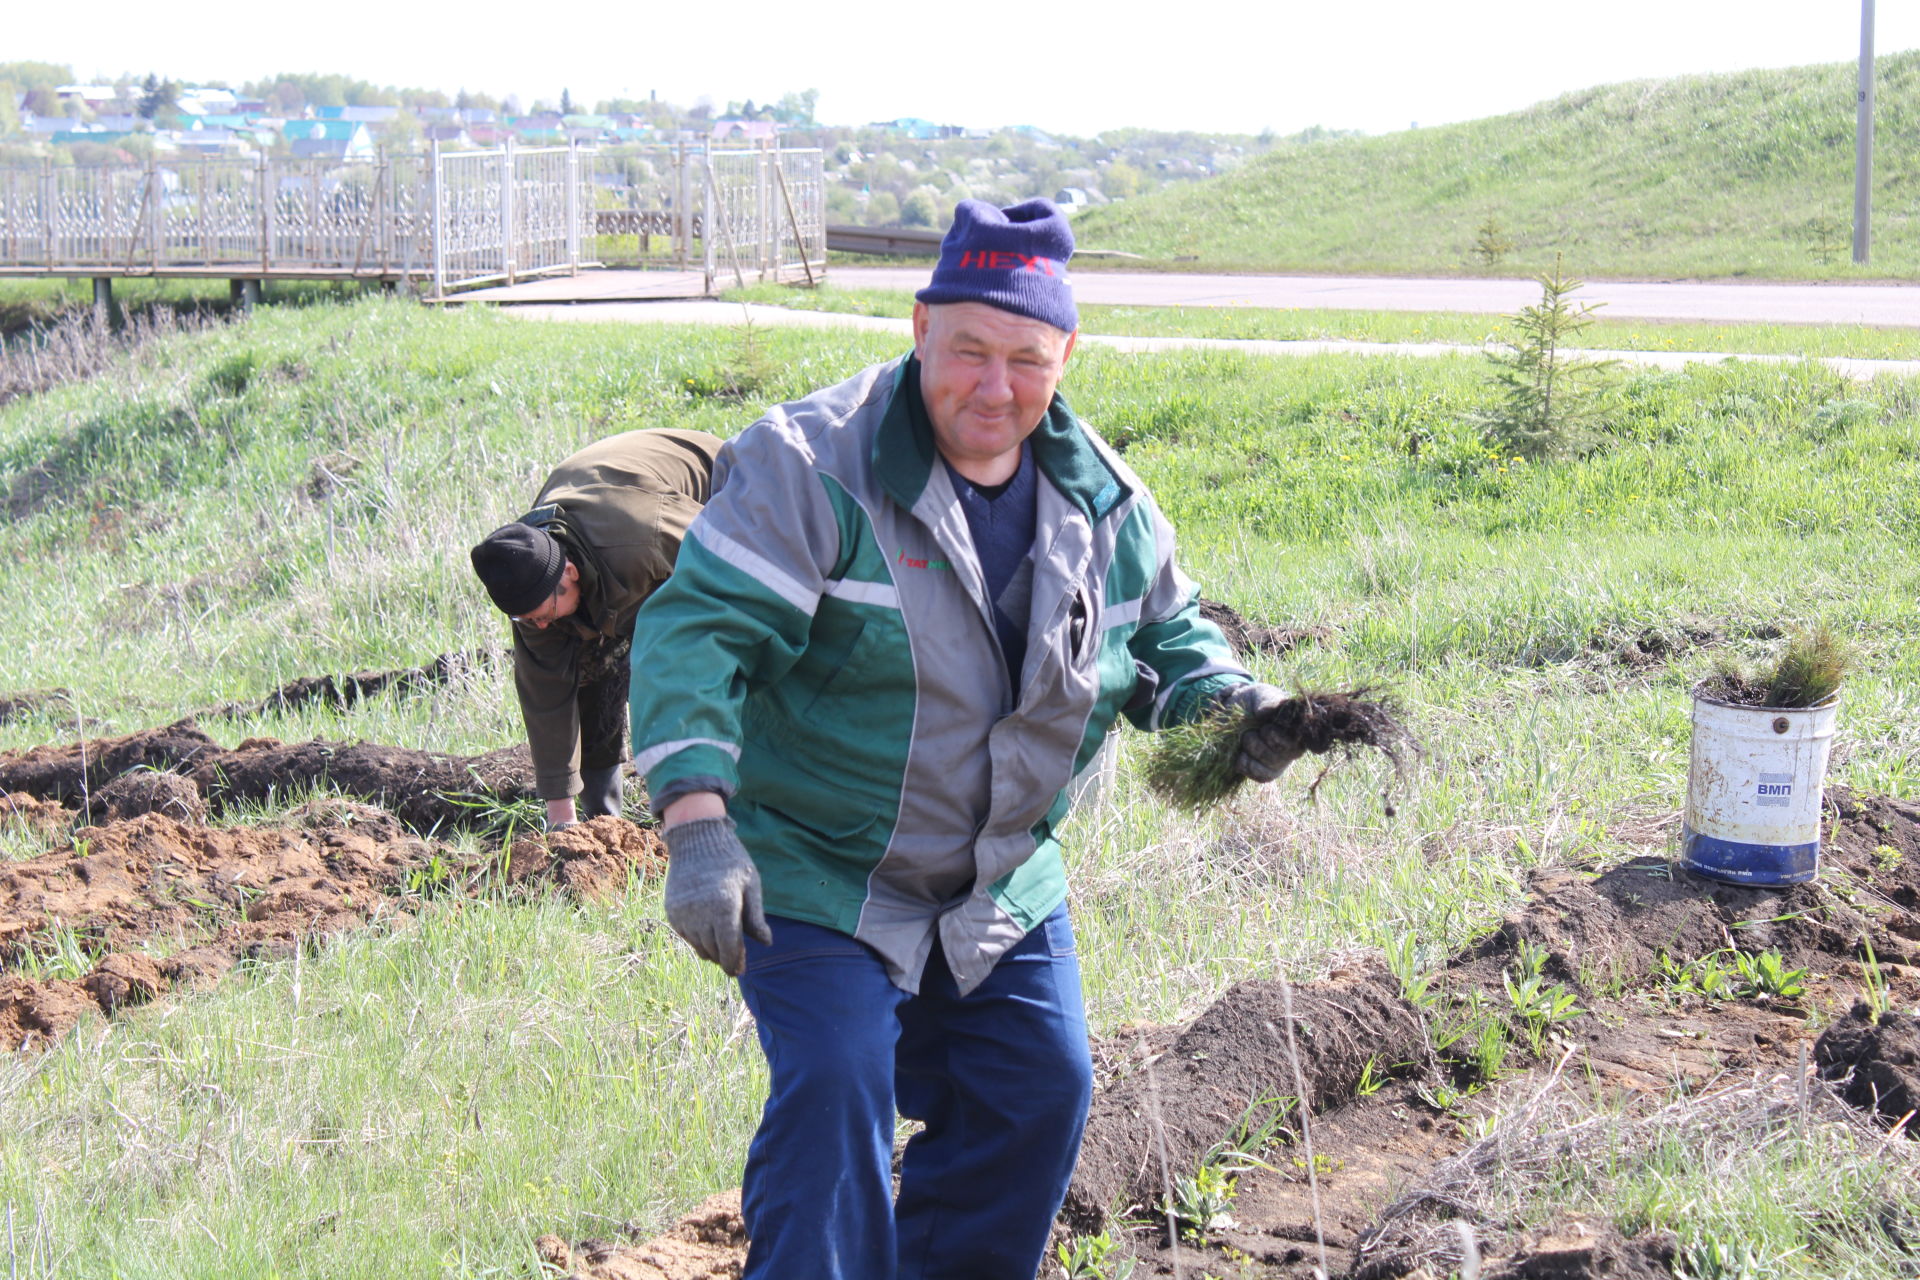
(161, 904)
(1249, 637)
(30, 702)
(1368, 1169)
(351, 688)
(428, 790)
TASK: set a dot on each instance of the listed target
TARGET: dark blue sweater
(1001, 520)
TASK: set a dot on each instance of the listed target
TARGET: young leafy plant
(1092, 1258)
(1539, 1004)
(1767, 974)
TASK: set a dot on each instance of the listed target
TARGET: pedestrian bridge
(435, 223)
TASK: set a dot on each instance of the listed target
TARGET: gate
(500, 215)
(731, 213)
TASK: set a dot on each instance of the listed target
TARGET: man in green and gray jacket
(909, 616)
(571, 574)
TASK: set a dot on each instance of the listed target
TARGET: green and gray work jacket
(825, 654)
(619, 508)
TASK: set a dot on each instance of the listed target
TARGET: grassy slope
(425, 1101)
(1696, 176)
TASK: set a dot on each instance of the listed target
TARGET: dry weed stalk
(1495, 1183)
(76, 346)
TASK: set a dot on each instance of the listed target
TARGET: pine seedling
(1547, 397)
(1810, 670)
(1807, 673)
(1192, 765)
(1492, 243)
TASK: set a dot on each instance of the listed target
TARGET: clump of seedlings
(1807, 673)
(1192, 767)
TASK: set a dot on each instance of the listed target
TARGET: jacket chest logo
(909, 562)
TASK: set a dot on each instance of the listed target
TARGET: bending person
(603, 534)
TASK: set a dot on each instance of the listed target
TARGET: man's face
(561, 604)
(987, 377)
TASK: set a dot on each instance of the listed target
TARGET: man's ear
(922, 321)
(570, 574)
(1071, 339)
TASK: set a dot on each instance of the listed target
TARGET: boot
(600, 794)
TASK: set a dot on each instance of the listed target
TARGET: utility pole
(1863, 142)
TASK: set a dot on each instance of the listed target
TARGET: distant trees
(156, 96)
(1121, 181)
(290, 92)
(921, 208)
(883, 209)
(28, 76)
(566, 102)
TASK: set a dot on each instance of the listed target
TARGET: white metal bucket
(1753, 791)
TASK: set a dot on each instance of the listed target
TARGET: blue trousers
(1001, 1078)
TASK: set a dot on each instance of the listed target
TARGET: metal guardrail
(916, 241)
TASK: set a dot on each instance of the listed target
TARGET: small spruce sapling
(1492, 244)
(1549, 399)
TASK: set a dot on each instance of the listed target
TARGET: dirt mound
(1876, 1063)
(1582, 1251)
(49, 818)
(207, 896)
(145, 791)
(428, 789)
(594, 858)
(708, 1244)
(1620, 925)
(69, 771)
(31, 702)
(1249, 637)
(155, 877)
(343, 691)
(1234, 1058)
(1575, 1250)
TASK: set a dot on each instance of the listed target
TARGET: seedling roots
(1192, 765)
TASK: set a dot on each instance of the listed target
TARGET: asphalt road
(1873, 304)
(735, 313)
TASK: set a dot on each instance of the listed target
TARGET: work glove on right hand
(713, 892)
(1265, 752)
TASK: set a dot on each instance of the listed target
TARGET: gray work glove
(713, 892)
(1265, 752)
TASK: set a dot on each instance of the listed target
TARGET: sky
(1075, 66)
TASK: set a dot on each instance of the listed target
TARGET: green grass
(1861, 342)
(427, 1097)
(1744, 174)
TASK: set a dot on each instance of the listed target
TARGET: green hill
(1749, 174)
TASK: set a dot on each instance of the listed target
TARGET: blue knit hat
(1013, 258)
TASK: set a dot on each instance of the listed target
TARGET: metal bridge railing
(448, 219)
(455, 219)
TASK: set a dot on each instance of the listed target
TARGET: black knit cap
(520, 567)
